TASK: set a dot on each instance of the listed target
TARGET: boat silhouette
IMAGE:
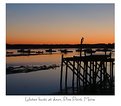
(89, 50)
(65, 51)
(50, 50)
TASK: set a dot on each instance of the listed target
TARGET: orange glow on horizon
(87, 40)
(60, 23)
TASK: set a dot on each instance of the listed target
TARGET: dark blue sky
(57, 23)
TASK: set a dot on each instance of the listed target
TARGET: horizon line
(58, 44)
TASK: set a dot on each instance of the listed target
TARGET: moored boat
(50, 50)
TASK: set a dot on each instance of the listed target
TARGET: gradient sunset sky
(59, 23)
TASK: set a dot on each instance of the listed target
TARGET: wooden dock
(93, 72)
(90, 74)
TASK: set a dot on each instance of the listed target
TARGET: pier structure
(90, 74)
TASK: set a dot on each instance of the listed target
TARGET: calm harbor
(42, 81)
(60, 49)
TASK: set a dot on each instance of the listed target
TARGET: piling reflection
(90, 74)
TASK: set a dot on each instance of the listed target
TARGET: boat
(65, 51)
(24, 51)
(9, 53)
(89, 50)
(77, 50)
(39, 52)
(80, 49)
(103, 49)
(50, 50)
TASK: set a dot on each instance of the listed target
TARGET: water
(39, 82)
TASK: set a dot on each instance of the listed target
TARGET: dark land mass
(42, 46)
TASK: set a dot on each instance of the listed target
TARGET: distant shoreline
(42, 46)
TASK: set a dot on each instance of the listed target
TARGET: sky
(59, 23)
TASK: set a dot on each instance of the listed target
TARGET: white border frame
(20, 100)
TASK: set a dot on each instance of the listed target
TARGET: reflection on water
(40, 82)
(33, 60)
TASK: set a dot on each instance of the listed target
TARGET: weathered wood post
(101, 74)
(82, 39)
(66, 74)
(61, 74)
(73, 77)
(95, 71)
(112, 75)
(78, 73)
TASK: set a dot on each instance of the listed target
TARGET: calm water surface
(39, 82)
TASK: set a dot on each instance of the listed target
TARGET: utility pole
(82, 40)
